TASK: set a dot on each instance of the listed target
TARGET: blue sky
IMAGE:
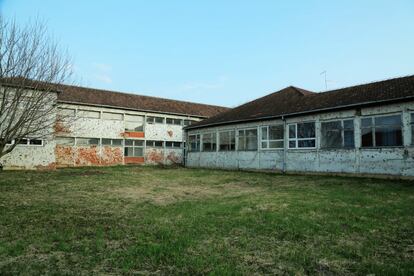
(227, 52)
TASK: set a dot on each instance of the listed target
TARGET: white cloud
(102, 72)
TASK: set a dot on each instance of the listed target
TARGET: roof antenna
(326, 81)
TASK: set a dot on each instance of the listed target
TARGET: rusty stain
(170, 133)
(173, 158)
(64, 155)
(111, 156)
(155, 156)
(87, 156)
(133, 134)
(61, 128)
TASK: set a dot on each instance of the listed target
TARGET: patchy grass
(142, 220)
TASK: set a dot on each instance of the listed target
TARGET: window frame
(112, 113)
(27, 144)
(373, 128)
(154, 120)
(343, 129)
(112, 142)
(89, 138)
(271, 140)
(134, 147)
(173, 121)
(197, 142)
(79, 111)
(238, 139)
(126, 121)
(152, 143)
(296, 139)
(230, 138)
(173, 145)
(213, 142)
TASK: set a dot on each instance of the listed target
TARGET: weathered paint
(389, 161)
(134, 160)
(133, 134)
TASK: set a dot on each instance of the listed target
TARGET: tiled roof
(293, 101)
(83, 95)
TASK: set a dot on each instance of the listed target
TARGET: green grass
(142, 220)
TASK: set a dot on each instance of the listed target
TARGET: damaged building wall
(375, 160)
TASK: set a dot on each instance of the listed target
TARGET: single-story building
(109, 128)
(363, 129)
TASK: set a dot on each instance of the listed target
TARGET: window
(382, 131)
(194, 141)
(227, 140)
(30, 142)
(247, 139)
(89, 114)
(171, 121)
(65, 141)
(272, 137)
(337, 134)
(302, 135)
(412, 128)
(189, 122)
(112, 142)
(134, 123)
(176, 145)
(209, 142)
(87, 141)
(155, 120)
(155, 144)
(134, 148)
(112, 116)
(66, 112)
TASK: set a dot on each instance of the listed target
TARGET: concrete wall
(389, 161)
(52, 155)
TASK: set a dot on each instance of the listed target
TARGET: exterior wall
(52, 154)
(386, 160)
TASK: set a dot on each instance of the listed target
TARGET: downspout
(285, 143)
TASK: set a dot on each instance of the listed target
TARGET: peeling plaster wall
(388, 161)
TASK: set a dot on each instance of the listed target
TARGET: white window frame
(133, 146)
(173, 144)
(296, 139)
(154, 121)
(94, 145)
(342, 133)
(126, 121)
(111, 119)
(173, 120)
(268, 140)
(88, 110)
(373, 127)
(28, 143)
(112, 142)
(245, 130)
(152, 145)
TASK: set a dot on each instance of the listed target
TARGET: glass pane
(138, 143)
(94, 141)
(306, 143)
(387, 137)
(129, 142)
(106, 142)
(276, 144)
(366, 122)
(158, 143)
(149, 143)
(306, 130)
(394, 120)
(150, 120)
(66, 112)
(116, 142)
(331, 134)
(366, 137)
(264, 133)
(349, 139)
(138, 152)
(35, 142)
(276, 132)
(129, 151)
(264, 145)
(251, 139)
(241, 143)
(159, 120)
(349, 124)
(292, 131)
(168, 144)
(292, 144)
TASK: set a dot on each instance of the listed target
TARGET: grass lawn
(141, 220)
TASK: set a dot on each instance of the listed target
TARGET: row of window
(70, 141)
(26, 142)
(133, 122)
(377, 131)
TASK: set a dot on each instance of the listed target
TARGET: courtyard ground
(143, 220)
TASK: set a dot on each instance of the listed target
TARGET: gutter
(301, 113)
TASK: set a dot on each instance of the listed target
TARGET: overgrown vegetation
(172, 221)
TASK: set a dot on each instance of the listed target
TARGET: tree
(32, 66)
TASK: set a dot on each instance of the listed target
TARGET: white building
(365, 129)
(110, 128)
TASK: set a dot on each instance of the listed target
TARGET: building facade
(366, 129)
(97, 128)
